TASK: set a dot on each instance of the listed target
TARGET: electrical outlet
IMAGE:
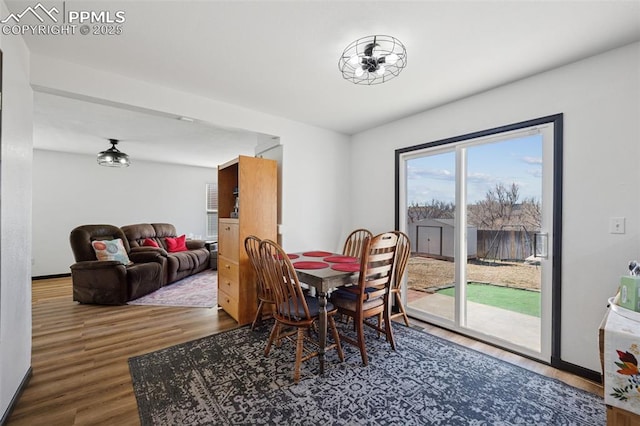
(616, 225)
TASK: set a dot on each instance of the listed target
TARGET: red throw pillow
(148, 242)
(176, 244)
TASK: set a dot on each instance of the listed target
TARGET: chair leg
(274, 335)
(388, 330)
(336, 337)
(401, 308)
(360, 333)
(299, 348)
(258, 317)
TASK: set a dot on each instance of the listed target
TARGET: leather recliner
(110, 282)
(178, 265)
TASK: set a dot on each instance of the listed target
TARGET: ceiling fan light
(359, 72)
(354, 60)
(113, 157)
(391, 59)
(380, 70)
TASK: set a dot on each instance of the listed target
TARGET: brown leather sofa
(110, 282)
(179, 264)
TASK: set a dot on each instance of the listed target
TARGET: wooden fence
(505, 244)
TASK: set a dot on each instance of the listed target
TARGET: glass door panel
(431, 192)
(503, 206)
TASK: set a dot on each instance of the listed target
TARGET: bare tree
(497, 208)
(500, 207)
(531, 214)
(435, 209)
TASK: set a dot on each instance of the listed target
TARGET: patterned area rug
(196, 291)
(225, 379)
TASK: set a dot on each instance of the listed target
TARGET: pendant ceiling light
(373, 59)
(112, 157)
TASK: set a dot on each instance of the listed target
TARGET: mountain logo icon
(38, 11)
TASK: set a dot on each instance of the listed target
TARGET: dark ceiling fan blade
(368, 49)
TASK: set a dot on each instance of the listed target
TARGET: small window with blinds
(212, 210)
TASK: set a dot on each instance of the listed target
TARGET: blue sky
(516, 160)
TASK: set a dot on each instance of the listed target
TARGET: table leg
(322, 328)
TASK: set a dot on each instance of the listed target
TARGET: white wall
(600, 99)
(71, 190)
(15, 217)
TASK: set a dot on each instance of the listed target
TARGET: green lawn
(513, 299)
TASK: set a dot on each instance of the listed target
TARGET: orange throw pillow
(176, 244)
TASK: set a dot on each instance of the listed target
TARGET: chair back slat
(252, 246)
(378, 271)
(354, 243)
(403, 252)
(378, 256)
(376, 264)
(282, 279)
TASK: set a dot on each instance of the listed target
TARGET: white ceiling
(82, 127)
(280, 57)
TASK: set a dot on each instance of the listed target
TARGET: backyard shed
(435, 237)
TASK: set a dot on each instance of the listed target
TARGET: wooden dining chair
(294, 309)
(355, 242)
(369, 297)
(353, 247)
(403, 252)
(265, 295)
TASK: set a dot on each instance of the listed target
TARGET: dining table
(324, 271)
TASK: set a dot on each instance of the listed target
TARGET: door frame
(556, 261)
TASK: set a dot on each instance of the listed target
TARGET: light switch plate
(616, 225)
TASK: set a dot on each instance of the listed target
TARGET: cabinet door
(619, 417)
(229, 277)
(228, 243)
(230, 305)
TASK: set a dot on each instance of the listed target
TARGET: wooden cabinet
(619, 417)
(247, 205)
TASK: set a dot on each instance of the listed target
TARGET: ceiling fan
(373, 59)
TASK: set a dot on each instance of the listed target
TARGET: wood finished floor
(80, 352)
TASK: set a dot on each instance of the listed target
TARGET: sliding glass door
(479, 213)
